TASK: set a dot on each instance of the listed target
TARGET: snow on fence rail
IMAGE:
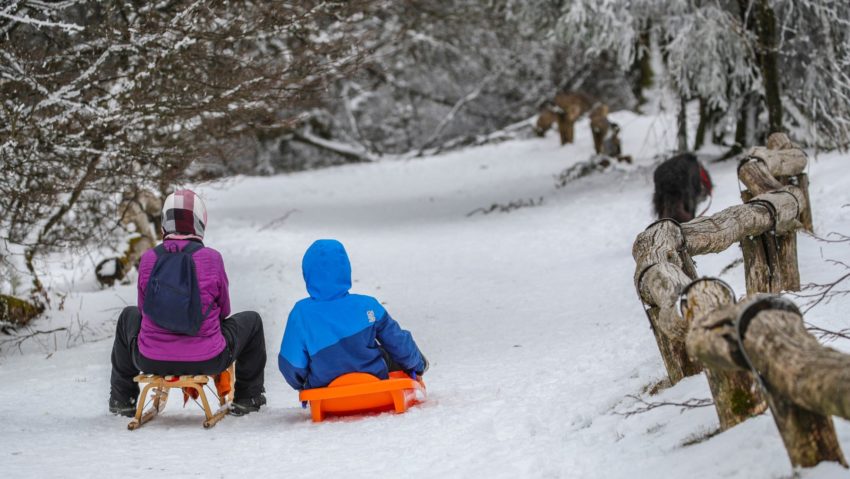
(757, 353)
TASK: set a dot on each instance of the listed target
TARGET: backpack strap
(160, 250)
(192, 247)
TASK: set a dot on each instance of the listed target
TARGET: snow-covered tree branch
(101, 98)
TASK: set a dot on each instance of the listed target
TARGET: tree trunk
(745, 126)
(703, 125)
(741, 138)
(642, 67)
(736, 394)
(682, 135)
(769, 63)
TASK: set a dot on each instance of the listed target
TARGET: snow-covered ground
(529, 318)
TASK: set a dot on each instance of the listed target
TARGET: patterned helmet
(184, 215)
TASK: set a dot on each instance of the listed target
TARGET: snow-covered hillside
(535, 335)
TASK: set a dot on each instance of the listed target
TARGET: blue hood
(327, 270)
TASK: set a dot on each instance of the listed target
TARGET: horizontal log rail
(756, 354)
(663, 251)
(765, 227)
(804, 382)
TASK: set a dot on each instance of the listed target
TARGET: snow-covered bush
(99, 98)
(723, 52)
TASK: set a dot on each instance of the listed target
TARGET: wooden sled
(359, 393)
(159, 397)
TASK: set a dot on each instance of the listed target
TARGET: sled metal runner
(159, 386)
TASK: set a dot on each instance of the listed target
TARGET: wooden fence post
(674, 353)
(762, 341)
(770, 259)
(761, 254)
(780, 141)
(663, 252)
(664, 264)
(765, 226)
(806, 213)
(736, 393)
(796, 367)
(803, 381)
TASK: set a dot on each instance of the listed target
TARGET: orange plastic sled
(358, 393)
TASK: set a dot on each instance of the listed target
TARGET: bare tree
(99, 97)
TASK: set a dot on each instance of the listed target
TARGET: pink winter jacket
(163, 345)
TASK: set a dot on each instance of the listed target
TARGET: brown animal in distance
(606, 134)
(547, 116)
(564, 111)
(599, 126)
(573, 106)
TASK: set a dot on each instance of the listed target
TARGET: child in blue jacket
(332, 332)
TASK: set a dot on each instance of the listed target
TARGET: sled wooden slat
(159, 387)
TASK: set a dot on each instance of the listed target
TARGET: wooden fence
(756, 353)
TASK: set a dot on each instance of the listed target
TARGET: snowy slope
(529, 318)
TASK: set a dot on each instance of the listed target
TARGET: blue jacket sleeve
(293, 360)
(399, 344)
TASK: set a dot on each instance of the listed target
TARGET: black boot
(243, 406)
(122, 407)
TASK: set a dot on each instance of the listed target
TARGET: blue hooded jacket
(332, 332)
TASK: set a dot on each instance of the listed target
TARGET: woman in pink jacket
(151, 344)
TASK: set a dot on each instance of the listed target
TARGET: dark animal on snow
(681, 183)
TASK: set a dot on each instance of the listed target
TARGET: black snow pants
(245, 343)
